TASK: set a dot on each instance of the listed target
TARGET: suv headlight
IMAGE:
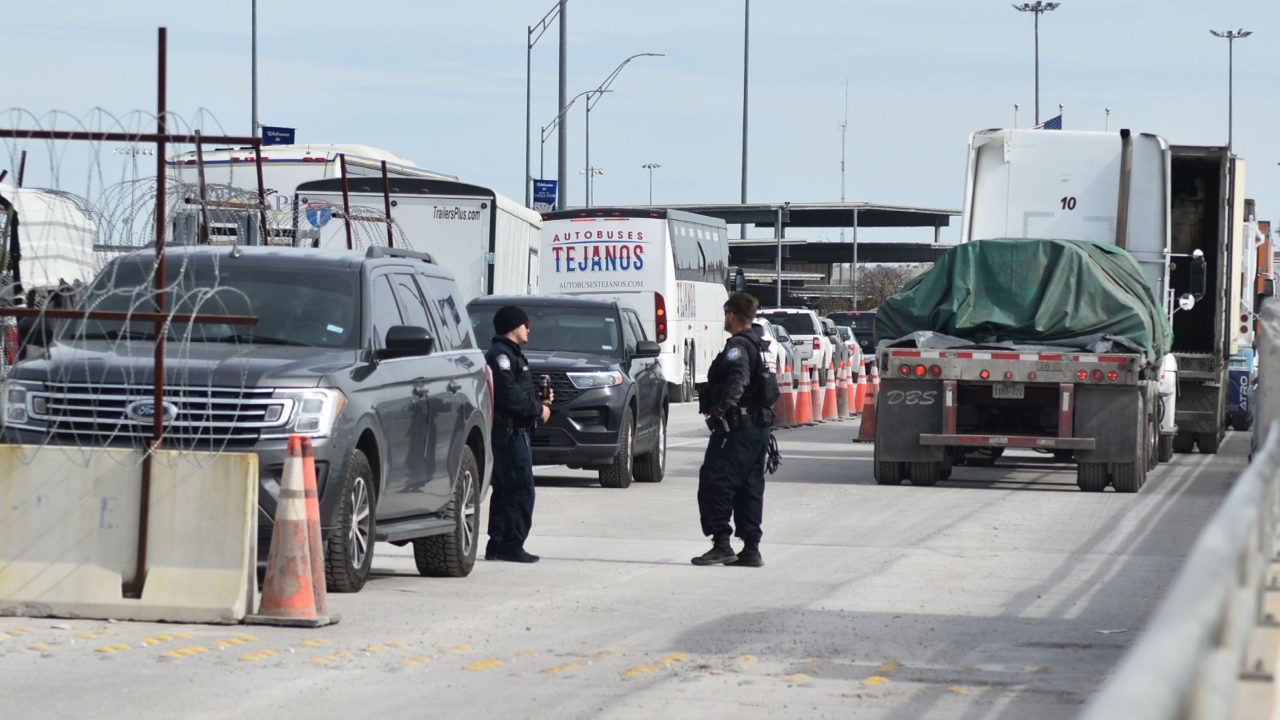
(590, 380)
(314, 411)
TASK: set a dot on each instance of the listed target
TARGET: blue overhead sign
(544, 195)
(277, 135)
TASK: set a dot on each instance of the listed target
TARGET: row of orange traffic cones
(843, 398)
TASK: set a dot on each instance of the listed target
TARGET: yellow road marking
(416, 660)
(459, 648)
(314, 643)
(383, 647)
(224, 644)
(260, 655)
(797, 678)
(19, 631)
(604, 654)
(113, 648)
(39, 646)
(875, 680)
(747, 659)
(527, 653)
(560, 669)
(958, 690)
(890, 666)
(484, 665)
(92, 634)
(641, 670)
(673, 659)
(186, 652)
(183, 635)
(336, 657)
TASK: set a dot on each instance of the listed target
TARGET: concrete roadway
(1003, 593)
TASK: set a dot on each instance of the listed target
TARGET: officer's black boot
(721, 552)
(749, 557)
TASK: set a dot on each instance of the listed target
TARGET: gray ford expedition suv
(370, 354)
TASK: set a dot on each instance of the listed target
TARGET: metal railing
(1211, 647)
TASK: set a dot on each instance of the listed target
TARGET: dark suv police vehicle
(610, 411)
(369, 353)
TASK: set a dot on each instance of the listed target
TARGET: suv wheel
(652, 467)
(618, 475)
(349, 554)
(454, 554)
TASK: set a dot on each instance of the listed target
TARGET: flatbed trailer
(1102, 409)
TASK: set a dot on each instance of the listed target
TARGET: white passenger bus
(670, 266)
(231, 174)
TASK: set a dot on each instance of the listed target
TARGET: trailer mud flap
(1200, 407)
(905, 409)
(1113, 416)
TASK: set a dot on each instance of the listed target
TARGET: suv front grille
(565, 391)
(84, 414)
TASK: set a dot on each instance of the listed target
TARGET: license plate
(1008, 391)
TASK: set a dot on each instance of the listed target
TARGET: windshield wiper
(256, 339)
(112, 335)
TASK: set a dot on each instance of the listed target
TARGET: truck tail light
(11, 344)
(1097, 376)
(1008, 374)
(1113, 376)
(935, 370)
(1082, 375)
(904, 370)
(985, 374)
(921, 370)
(660, 317)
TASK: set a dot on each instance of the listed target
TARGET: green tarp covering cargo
(1017, 291)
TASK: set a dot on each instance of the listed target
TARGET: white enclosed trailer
(489, 241)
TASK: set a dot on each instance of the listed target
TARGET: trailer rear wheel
(1165, 450)
(926, 474)
(1209, 441)
(1130, 477)
(887, 473)
(1091, 477)
(1183, 442)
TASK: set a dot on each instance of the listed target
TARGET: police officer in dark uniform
(516, 409)
(731, 480)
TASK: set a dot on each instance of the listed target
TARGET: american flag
(1053, 123)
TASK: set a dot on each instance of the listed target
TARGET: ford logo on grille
(144, 411)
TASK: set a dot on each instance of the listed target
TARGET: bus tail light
(660, 317)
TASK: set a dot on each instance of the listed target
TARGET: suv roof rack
(379, 251)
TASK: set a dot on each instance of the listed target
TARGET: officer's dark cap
(742, 305)
(508, 318)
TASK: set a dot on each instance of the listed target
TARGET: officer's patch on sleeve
(734, 353)
(504, 362)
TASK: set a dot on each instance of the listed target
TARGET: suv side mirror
(1199, 274)
(647, 349)
(407, 341)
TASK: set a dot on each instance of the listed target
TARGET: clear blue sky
(444, 83)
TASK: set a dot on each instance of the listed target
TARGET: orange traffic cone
(830, 397)
(842, 392)
(851, 387)
(860, 393)
(867, 428)
(780, 408)
(294, 593)
(804, 407)
(815, 396)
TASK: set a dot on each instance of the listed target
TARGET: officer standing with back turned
(516, 408)
(731, 480)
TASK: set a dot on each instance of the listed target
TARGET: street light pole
(540, 28)
(254, 51)
(593, 97)
(651, 167)
(1038, 8)
(1231, 36)
(548, 129)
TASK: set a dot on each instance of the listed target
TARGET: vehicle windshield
(794, 323)
(301, 306)
(860, 322)
(592, 331)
